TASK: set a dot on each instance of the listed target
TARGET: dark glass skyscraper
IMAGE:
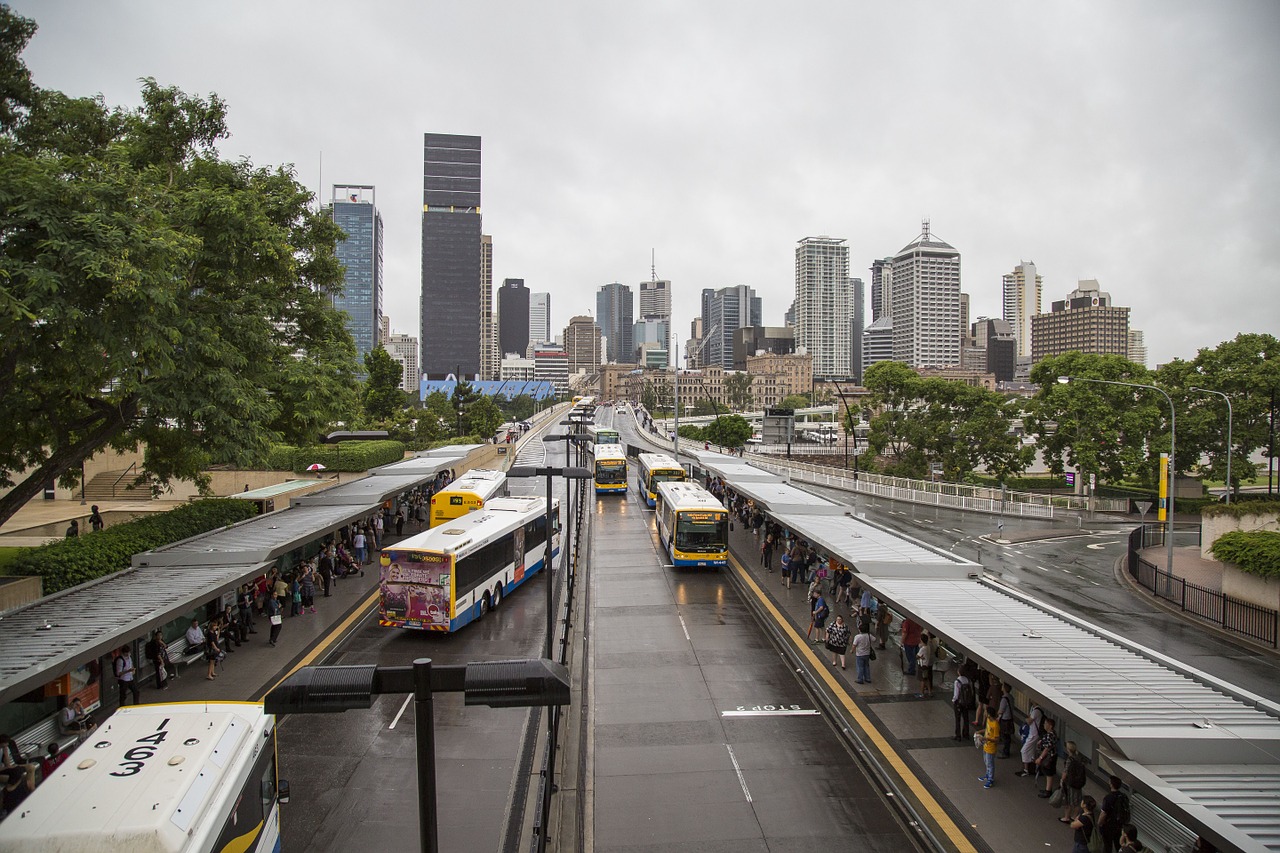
(450, 255)
(513, 317)
(354, 211)
(615, 315)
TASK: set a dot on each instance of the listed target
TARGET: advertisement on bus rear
(416, 589)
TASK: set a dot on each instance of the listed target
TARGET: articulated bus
(693, 525)
(182, 777)
(655, 468)
(466, 494)
(453, 574)
(610, 469)
(598, 435)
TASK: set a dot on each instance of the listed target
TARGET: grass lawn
(7, 556)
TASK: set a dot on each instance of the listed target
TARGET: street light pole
(1173, 432)
(1228, 399)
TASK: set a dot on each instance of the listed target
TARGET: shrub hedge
(1256, 552)
(348, 456)
(1239, 509)
(71, 562)
(1023, 484)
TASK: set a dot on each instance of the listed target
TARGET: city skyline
(1143, 167)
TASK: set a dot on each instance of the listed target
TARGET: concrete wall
(15, 592)
(1212, 527)
(1264, 592)
(106, 460)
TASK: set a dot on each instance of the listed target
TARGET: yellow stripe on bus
(886, 750)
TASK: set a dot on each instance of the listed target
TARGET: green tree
(1100, 429)
(157, 295)
(703, 407)
(892, 430)
(519, 408)
(794, 401)
(728, 431)
(1247, 370)
(382, 394)
(737, 387)
(464, 396)
(483, 417)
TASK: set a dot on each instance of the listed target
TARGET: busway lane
(354, 776)
(702, 736)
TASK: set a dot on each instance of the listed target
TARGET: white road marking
(736, 769)
(780, 712)
(686, 629)
(1042, 568)
(400, 713)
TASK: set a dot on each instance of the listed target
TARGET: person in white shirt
(195, 636)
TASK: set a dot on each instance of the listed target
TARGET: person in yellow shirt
(990, 738)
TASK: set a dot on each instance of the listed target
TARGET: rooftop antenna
(924, 225)
(320, 185)
(653, 265)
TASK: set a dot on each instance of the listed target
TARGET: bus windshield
(701, 532)
(656, 477)
(614, 471)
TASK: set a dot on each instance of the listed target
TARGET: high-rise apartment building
(825, 305)
(651, 336)
(1000, 343)
(354, 210)
(655, 304)
(1137, 347)
(615, 313)
(582, 345)
(926, 303)
(757, 340)
(1023, 289)
(489, 354)
(513, 317)
(877, 342)
(881, 288)
(404, 349)
(724, 311)
(1085, 321)
(451, 255)
(693, 346)
(859, 318)
(540, 318)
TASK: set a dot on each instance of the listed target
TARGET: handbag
(979, 740)
(277, 619)
(873, 653)
(1059, 796)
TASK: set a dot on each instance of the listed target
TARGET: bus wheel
(497, 596)
(485, 605)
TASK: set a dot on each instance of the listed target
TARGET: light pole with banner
(1173, 443)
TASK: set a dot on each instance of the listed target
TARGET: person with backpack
(1085, 825)
(1047, 759)
(1115, 813)
(818, 612)
(1129, 842)
(1073, 779)
(963, 701)
(126, 675)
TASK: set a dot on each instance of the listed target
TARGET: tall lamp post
(1228, 399)
(1173, 440)
(498, 684)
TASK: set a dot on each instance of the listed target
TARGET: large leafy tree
(1108, 430)
(152, 293)
(482, 418)
(728, 431)
(1247, 370)
(737, 387)
(382, 394)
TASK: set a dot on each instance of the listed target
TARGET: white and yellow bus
(601, 435)
(610, 468)
(182, 777)
(448, 576)
(655, 468)
(692, 525)
(466, 494)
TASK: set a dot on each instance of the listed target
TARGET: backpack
(1075, 773)
(966, 694)
(1093, 841)
(1123, 812)
(117, 666)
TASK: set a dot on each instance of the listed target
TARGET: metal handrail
(132, 466)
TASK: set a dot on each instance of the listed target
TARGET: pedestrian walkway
(1008, 816)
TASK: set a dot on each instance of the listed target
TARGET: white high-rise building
(825, 311)
(926, 303)
(1137, 347)
(540, 318)
(1022, 292)
(404, 349)
(655, 304)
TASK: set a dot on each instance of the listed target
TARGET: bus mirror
(282, 792)
(516, 683)
(323, 690)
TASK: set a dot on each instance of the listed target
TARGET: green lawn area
(7, 556)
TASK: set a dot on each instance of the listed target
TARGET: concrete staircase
(114, 486)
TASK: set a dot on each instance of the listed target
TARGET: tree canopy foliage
(728, 431)
(382, 395)
(152, 293)
(737, 387)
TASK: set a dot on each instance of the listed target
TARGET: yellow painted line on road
(330, 638)
(886, 750)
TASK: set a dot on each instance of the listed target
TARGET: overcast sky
(1131, 142)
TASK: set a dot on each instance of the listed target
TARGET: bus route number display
(135, 758)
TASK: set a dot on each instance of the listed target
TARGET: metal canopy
(277, 490)
(1237, 807)
(59, 633)
(731, 468)
(1147, 707)
(777, 497)
(258, 540)
(421, 466)
(869, 548)
(370, 491)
